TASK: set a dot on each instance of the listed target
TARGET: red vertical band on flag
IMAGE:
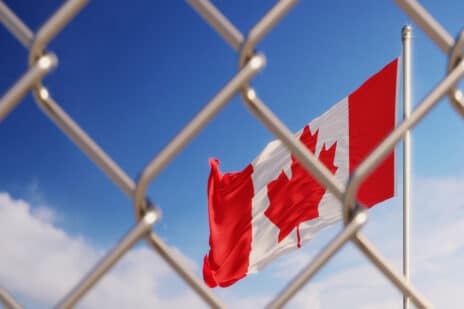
(229, 209)
(371, 119)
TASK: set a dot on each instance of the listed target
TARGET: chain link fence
(42, 62)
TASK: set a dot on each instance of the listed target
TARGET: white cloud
(44, 214)
(236, 301)
(40, 263)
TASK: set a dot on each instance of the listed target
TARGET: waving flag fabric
(274, 205)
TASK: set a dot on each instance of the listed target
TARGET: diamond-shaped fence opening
(41, 62)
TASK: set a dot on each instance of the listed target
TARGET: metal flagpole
(406, 34)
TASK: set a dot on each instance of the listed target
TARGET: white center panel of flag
(331, 128)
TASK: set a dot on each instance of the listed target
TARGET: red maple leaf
(296, 200)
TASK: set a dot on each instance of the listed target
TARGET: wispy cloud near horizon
(437, 252)
(40, 262)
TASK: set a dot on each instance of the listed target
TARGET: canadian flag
(274, 205)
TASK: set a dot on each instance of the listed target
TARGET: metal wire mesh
(41, 62)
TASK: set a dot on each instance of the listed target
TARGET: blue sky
(133, 74)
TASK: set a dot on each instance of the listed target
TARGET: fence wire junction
(42, 62)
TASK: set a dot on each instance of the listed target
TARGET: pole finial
(406, 32)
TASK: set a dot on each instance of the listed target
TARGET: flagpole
(406, 36)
